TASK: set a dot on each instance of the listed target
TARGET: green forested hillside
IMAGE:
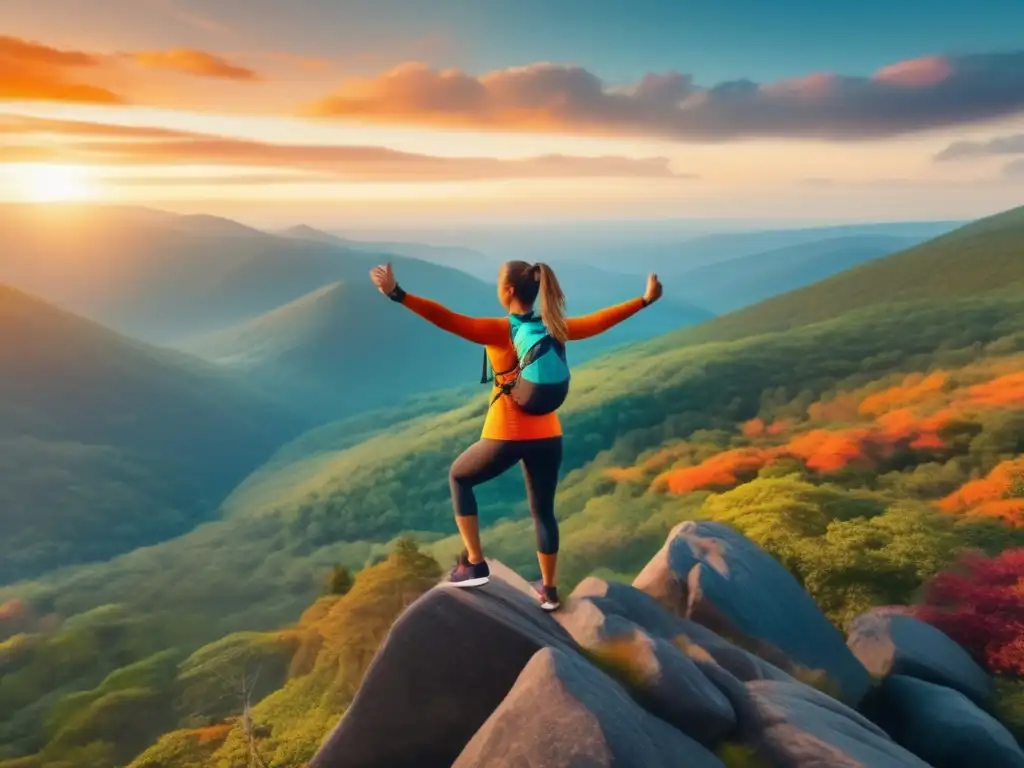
(343, 349)
(983, 258)
(177, 708)
(109, 444)
(397, 479)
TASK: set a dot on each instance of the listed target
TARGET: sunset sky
(318, 109)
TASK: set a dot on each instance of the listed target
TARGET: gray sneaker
(466, 574)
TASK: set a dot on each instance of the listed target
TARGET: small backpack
(543, 381)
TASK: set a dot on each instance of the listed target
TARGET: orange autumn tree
(722, 471)
(999, 494)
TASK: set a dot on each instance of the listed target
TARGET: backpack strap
(485, 378)
(505, 388)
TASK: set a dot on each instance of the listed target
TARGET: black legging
(487, 459)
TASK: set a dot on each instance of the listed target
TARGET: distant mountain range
(983, 258)
(641, 247)
(166, 278)
(725, 286)
(468, 260)
(588, 288)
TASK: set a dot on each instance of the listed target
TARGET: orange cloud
(192, 62)
(905, 97)
(131, 146)
(31, 71)
(30, 52)
(916, 73)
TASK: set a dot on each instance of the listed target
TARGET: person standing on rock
(526, 351)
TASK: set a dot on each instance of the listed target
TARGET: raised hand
(654, 289)
(383, 278)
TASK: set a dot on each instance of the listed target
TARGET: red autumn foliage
(980, 604)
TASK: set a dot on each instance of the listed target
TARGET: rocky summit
(715, 656)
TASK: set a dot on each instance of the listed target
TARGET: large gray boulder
(796, 726)
(717, 577)
(889, 642)
(595, 611)
(661, 677)
(943, 726)
(445, 666)
(565, 713)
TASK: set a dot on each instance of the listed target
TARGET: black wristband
(644, 301)
(397, 294)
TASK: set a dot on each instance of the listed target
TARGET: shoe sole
(550, 606)
(471, 582)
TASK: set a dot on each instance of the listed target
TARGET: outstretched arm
(598, 322)
(489, 331)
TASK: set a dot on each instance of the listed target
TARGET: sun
(56, 183)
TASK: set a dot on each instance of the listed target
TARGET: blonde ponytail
(552, 304)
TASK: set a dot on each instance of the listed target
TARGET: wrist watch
(397, 294)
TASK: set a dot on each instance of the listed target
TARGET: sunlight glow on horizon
(52, 183)
(769, 178)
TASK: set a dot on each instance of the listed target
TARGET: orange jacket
(505, 420)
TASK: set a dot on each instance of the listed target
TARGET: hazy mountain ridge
(468, 260)
(111, 443)
(165, 278)
(343, 349)
(729, 285)
(982, 258)
(665, 247)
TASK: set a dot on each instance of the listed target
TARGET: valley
(863, 429)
